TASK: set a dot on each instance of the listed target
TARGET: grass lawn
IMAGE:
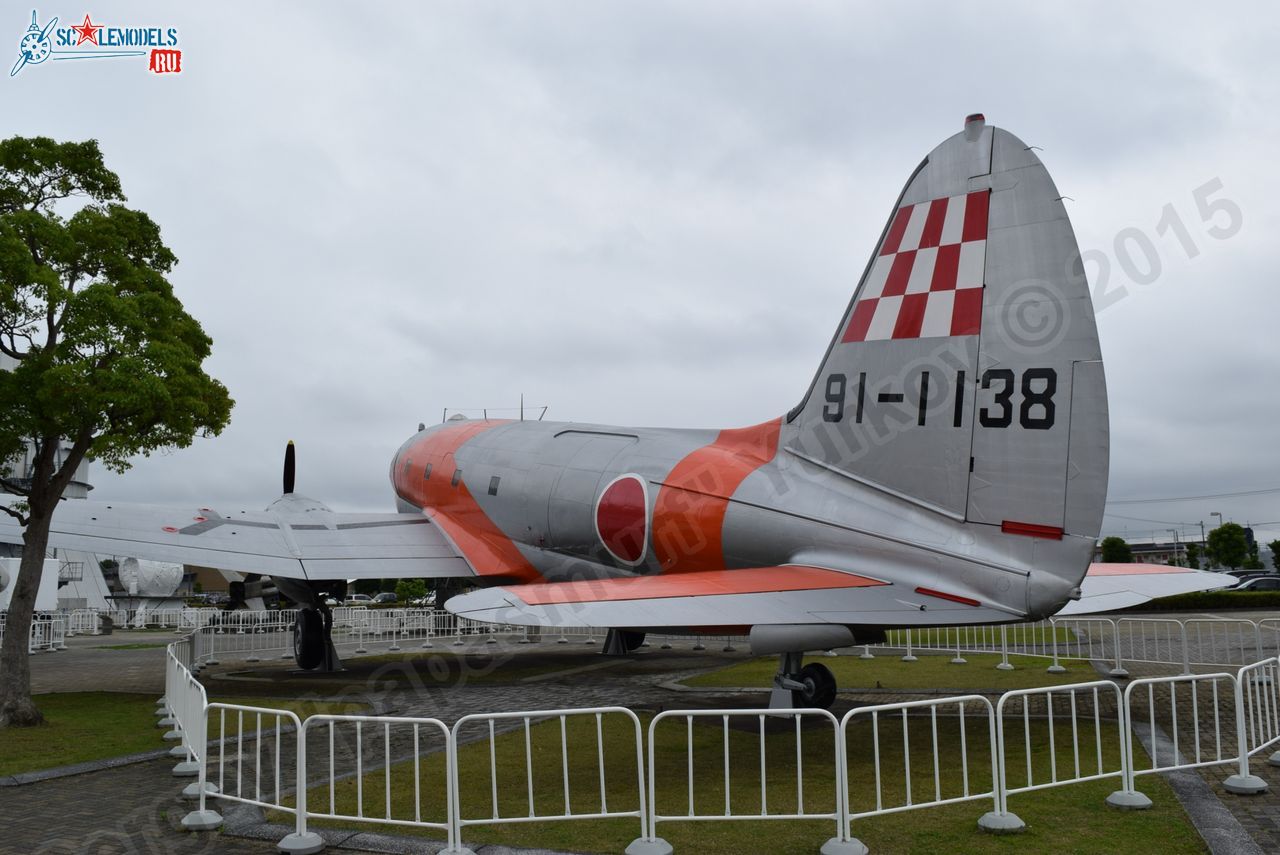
(929, 671)
(83, 726)
(1079, 809)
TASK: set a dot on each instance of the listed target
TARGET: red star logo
(87, 32)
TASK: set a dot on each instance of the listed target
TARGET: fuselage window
(457, 476)
(426, 473)
(493, 485)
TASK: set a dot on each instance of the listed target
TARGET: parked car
(358, 600)
(384, 598)
(1259, 583)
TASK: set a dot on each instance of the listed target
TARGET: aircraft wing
(1107, 587)
(745, 597)
(316, 545)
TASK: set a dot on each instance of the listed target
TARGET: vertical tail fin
(965, 375)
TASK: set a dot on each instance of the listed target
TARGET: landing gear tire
(819, 687)
(632, 640)
(308, 639)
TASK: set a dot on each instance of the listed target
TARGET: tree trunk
(16, 707)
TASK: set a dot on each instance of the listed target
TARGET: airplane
(946, 465)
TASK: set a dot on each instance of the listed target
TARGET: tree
(1116, 551)
(1274, 546)
(408, 590)
(1193, 556)
(107, 363)
(1251, 559)
(1227, 546)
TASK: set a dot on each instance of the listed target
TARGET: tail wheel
(308, 639)
(819, 687)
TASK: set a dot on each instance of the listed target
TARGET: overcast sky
(655, 213)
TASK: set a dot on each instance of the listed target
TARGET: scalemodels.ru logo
(89, 40)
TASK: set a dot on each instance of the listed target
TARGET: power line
(1162, 522)
(1194, 498)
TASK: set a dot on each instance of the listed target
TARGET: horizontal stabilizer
(1108, 587)
(706, 600)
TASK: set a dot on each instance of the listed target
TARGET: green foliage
(106, 355)
(106, 362)
(1252, 561)
(1227, 546)
(1274, 546)
(1116, 551)
(408, 590)
(1193, 556)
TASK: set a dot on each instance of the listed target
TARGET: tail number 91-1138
(1034, 391)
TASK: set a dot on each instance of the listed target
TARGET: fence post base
(301, 844)
(1128, 800)
(1001, 823)
(1056, 669)
(1245, 785)
(186, 769)
(1118, 672)
(201, 820)
(1004, 666)
(456, 850)
(192, 791)
(1274, 759)
(959, 660)
(655, 846)
(836, 846)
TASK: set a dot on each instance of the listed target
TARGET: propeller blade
(288, 468)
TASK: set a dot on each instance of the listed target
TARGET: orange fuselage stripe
(688, 515)
(489, 551)
(705, 583)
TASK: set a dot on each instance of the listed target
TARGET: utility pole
(1176, 561)
(1204, 546)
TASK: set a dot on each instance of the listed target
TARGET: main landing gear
(312, 640)
(796, 686)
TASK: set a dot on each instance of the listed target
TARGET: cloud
(656, 212)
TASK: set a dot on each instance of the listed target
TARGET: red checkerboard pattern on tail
(926, 281)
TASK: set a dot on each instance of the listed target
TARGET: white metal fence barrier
(48, 632)
(951, 764)
(1067, 724)
(182, 709)
(352, 749)
(742, 733)
(240, 773)
(583, 774)
(1187, 643)
(1194, 709)
(557, 765)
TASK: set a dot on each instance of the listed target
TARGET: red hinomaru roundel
(622, 518)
